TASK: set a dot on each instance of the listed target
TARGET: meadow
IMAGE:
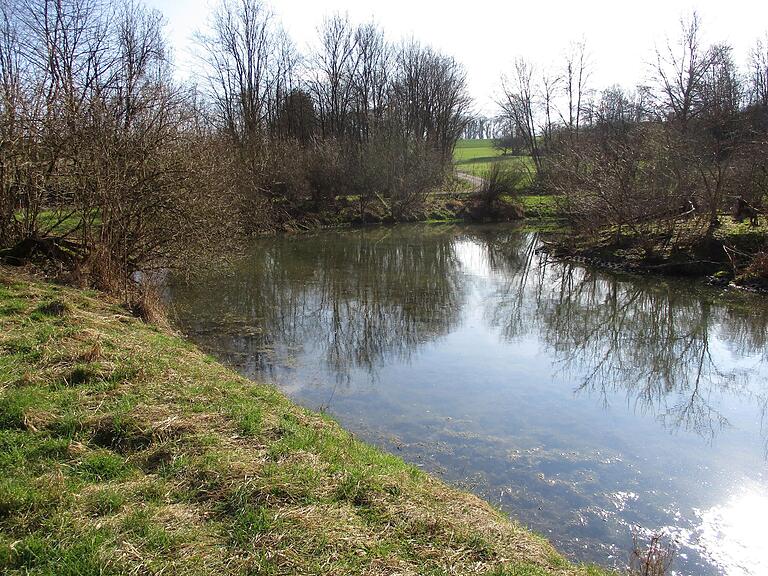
(477, 156)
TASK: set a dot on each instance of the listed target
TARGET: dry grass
(126, 450)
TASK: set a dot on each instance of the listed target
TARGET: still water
(586, 404)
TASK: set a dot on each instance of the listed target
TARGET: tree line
(112, 166)
(659, 164)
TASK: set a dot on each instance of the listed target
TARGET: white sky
(486, 36)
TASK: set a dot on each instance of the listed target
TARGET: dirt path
(476, 182)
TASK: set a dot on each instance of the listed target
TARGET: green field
(477, 156)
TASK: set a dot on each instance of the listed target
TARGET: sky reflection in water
(583, 403)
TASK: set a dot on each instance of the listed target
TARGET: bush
(757, 268)
(500, 181)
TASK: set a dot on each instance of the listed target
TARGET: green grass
(477, 156)
(538, 206)
(126, 450)
(61, 222)
(742, 235)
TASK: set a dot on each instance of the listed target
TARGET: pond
(588, 405)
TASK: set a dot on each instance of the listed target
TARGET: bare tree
(250, 64)
(679, 73)
(95, 168)
(550, 88)
(334, 66)
(431, 91)
(758, 73)
(519, 105)
(720, 131)
(575, 84)
(371, 79)
(12, 116)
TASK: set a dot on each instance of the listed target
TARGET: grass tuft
(104, 502)
(53, 308)
(101, 466)
(251, 523)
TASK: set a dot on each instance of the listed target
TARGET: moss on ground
(742, 235)
(126, 450)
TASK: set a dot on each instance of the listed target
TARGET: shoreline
(127, 448)
(664, 269)
(589, 256)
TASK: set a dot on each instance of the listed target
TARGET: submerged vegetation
(127, 450)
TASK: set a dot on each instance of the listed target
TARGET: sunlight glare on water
(473, 259)
(733, 535)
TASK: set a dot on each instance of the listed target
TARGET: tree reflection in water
(647, 337)
(459, 347)
(364, 298)
(359, 298)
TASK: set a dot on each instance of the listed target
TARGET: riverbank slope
(125, 449)
(734, 255)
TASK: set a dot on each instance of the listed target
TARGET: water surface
(588, 405)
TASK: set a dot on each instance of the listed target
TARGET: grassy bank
(538, 206)
(126, 450)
